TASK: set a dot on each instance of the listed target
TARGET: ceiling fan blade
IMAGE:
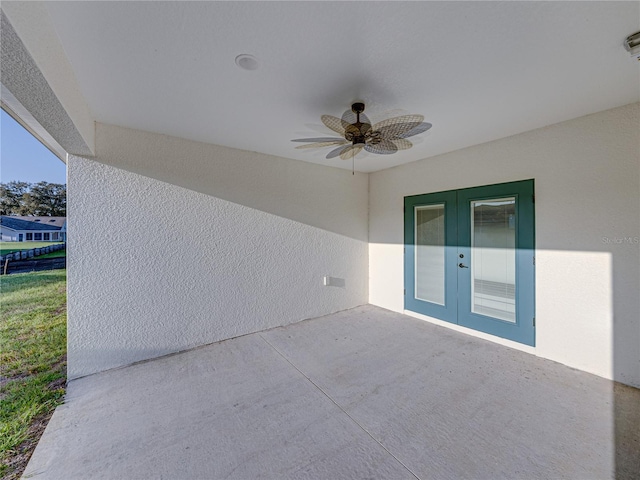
(350, 151)
(333, 123)
(385, 147)
(348, 118)
(322, 144)
(336, 151)
(319, 139)
(396, 130)
(421, 128)
(400, 119)
(402, 143)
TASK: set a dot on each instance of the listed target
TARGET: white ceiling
(477, 71)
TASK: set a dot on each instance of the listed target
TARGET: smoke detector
(632, 45)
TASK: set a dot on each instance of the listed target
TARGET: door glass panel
(493, 258)
(429, 253)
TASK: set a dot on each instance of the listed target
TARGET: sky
(24, 158)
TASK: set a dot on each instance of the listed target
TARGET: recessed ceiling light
(247, 62)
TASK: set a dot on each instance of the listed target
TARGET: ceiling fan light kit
(357, 133)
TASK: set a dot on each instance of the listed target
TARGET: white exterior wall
(238, 242)
(587, 183)
(9, 235)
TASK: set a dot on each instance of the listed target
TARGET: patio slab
(364, 393)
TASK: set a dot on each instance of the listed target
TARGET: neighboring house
(17, 228)
(196, 220)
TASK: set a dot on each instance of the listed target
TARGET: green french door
(469, 258)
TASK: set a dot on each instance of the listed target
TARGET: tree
(41, 199)
(47, 199)
(11, 197)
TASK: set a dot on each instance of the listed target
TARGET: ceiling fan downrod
(356, 132)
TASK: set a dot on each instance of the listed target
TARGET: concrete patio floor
(364, 393)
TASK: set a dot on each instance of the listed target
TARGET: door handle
(461, 265)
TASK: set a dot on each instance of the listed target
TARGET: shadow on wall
(324, 197)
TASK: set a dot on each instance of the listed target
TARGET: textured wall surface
(587, 181)
(156, 268)
(328, 198)
(39, 77)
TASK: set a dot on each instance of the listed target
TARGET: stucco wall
(328, 198)
(587, 181)
(155, 267)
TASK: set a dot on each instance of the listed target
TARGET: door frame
(457, 308)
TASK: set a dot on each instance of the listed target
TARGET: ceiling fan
(357, 133)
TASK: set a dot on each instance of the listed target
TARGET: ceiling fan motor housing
(356, 133)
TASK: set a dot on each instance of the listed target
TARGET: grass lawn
(32, 361)
(8, 247)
